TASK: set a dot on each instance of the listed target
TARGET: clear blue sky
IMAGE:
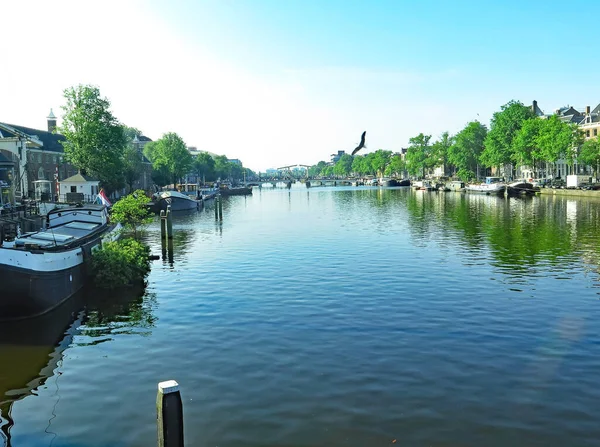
(280, 82)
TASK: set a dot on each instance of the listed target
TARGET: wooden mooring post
(169, 415)
(169, 223)
(163, 225)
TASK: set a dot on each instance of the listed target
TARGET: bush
(120, 264)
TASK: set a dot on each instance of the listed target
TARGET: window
(73, 188)
(39, 158)
(587, 133)
(595, 132)
(54, 159)
(41, 174)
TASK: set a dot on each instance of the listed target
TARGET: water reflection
(31, 351)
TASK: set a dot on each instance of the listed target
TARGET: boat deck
(58, 236)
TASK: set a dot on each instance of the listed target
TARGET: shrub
(120, 263)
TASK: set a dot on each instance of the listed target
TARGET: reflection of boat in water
(492, 185)
(31, 350)
(29, 354)
(41, 269)
(176, 200)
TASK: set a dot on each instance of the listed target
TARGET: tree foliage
(504, 127)
(204, 166)
(439, 150)
(131, 211)
(467, 148)
(557, 139)
(589, 154)
(170, 156)
(94, 138)
(418, 155)
(343, 167)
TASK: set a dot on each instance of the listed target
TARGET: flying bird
(362, 143)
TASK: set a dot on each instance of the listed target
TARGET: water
(333, 316)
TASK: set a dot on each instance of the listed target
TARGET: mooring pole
(169, 223)
(169, 415)
(217, 198)
(220, 209)
(163, 225)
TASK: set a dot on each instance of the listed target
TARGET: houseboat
(40, 270)
(491, 186)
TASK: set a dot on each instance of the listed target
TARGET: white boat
(492, 186)
(41, 269)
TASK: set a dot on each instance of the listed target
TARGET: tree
(439, 150)
(222, 167)
(170, 155)
(589, 154)
(131, 211)
(396, 166)
(204, 166)
(94, 138)
(380, 161)
(132, 165)
(524, 146)
(343, 167)
(504, 127)
(418, 154)
(557, 139)
(467, 148)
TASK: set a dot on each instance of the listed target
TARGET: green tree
(439, 151)
(589, 154)
(120, 264)
(504, 127)
(524, 146)
(222, 167)
(170, 155)
(131, 211)
(380, 161)
(343, 167)
(132, 165)
(465, 152)
(557, 139)
(94, 138)
(204, 166)
(397, 166)
(418, 154)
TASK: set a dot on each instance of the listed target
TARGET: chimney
(51, 121)
(534, 106)
(587, 110)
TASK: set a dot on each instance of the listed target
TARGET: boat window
(81, 225)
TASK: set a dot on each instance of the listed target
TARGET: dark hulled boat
(176, 200)
(40, 270)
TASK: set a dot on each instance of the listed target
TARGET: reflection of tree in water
(517, 233)
(31, 350)
(129, 311)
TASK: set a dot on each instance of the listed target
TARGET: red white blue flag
(102, 199)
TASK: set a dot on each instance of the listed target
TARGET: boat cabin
(492, 180)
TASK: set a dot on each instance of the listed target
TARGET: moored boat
(176, 200)
(42, 269)
(492, 186)
(521, 187)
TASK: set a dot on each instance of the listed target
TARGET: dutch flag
(102, 199)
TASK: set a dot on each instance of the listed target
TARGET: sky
(284, 82)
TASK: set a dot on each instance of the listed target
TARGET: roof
(50, 140)
(596, 109)
(143, 138)
(79, 178)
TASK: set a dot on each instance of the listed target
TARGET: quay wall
(571, 192)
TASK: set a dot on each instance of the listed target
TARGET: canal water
(332, 316)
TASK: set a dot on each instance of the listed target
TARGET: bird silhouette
(362, 143)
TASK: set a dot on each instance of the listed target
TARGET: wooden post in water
(169, 415)
(163, 225)
(169, 223)
(217, 198)
(220, 209)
